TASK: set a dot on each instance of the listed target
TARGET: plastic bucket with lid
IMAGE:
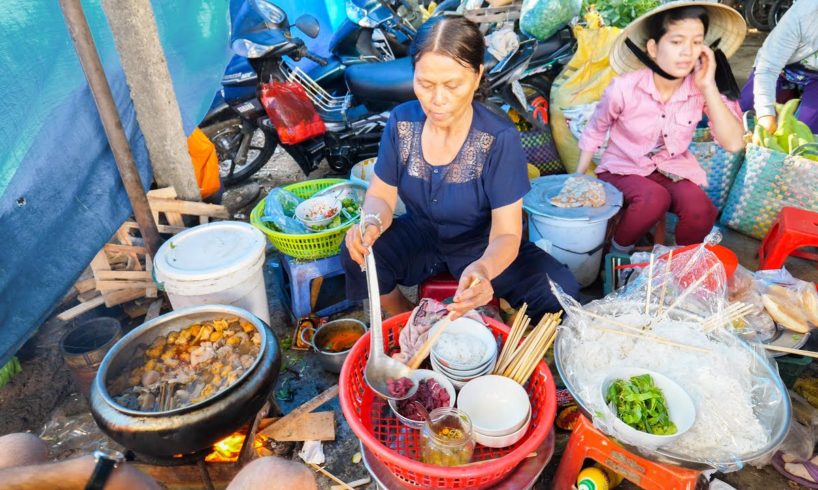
(362, 173)
(573, 236)
(216, 263)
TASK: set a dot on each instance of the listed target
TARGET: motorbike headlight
(249, 49)
(270, 12)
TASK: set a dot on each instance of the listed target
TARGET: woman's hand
(357, 245)
(769, 123)
(704, 74)
(468, 298)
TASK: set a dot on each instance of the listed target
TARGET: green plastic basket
(308, 246)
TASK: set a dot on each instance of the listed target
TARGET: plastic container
(573, 236)
(216, 263)
(791, 366)
(362, 173)
(84, 346)
(306, 246)
(397, 447)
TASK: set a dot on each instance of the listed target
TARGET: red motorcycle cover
(291, 112)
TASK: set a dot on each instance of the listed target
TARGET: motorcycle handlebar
(314, 57)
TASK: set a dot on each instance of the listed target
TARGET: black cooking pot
(195, 427)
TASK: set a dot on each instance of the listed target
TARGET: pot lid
(538, 201)
(210, 250)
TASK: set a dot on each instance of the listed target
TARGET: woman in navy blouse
(461, 171)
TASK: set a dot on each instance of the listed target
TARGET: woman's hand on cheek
(468, 298)
(704, 75)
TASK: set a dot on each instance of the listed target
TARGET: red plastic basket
(398, 446)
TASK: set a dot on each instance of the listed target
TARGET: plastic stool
(794, 228)
(442, 287)
(295, 280)
(588, 442)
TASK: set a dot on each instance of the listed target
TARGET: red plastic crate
(398, 446)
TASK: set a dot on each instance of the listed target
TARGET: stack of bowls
(499, 409)
(456, 370)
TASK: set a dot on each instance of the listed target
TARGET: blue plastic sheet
(61, 197)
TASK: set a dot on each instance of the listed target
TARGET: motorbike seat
(390, 81)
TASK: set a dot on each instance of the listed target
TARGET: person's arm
(606, 112)
(503, 247)
(774, 54)
(728, 129)
(72, 474)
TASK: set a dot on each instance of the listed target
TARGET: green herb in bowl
(640, 404)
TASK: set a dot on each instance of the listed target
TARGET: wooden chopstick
(646, 336)
(788, 350)
(330, 476)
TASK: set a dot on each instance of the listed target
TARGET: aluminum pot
(332, 361)
(195, 427)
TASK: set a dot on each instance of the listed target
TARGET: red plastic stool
(441, 287)
(588, 442)
(794, 228)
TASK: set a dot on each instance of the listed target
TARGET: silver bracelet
(365, 221)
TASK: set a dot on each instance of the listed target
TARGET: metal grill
(322, 100)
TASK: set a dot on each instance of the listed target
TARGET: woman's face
(444, 87)
(678, 51)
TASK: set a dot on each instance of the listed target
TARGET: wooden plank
(85, 285)
(88, 296)
(165, 229)
(80, 309)
(315, 288)
(115, 247)
(123, 235)
(136, 309)
(124, 275)
(114, 298)
(151, 291)
(164, 193)
(189, 207)
(312, 426)
(100, 263)
(188, 476)
(105, 286)
(174, 219)
(307, 407)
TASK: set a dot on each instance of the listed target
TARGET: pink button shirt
(632, 109)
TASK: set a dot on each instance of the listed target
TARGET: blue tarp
(61, 197)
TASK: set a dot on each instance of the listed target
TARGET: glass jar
(446, 438)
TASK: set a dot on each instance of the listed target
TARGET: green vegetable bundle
(641, 405)
(791, 134)
(620, 13)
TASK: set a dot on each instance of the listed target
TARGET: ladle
(380, 368)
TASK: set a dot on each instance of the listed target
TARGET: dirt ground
(44, 392)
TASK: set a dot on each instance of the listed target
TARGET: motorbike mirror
(308, 25)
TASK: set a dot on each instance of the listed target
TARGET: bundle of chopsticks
(518, 359)
(730, 314)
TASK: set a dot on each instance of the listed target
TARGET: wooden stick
(664, 284)
(512, 338)
(330, 476)
(353, 484)
(656, 338)
(535, 357)
(788, 350)
(650, 285)
(583, 311)
(81, 308)
(421, 354)
(549, 342)
(533, 343)
(732, 313)
(687, 291)
(513, 347)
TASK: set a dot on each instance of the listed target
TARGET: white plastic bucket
(217, 263)
(362, 173)
(576, 243)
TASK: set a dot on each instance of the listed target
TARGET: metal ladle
(380, 368)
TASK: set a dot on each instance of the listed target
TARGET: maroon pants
(647, 199)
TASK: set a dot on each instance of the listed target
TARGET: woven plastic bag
(542, 18)
(291, 112)
(768, 181)
(539, 148)
(720, 165)
(582, 81)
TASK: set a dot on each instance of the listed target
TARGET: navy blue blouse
(453, 202)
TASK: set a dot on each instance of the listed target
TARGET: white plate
(787, 338)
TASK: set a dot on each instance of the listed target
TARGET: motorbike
(354, 107)
(777, 11)
(755, 12)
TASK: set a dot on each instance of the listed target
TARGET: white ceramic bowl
(303, 210)
(470, 327)
(503, 441)
(462, 376)
(679, 404)
(417, 376)
(480, 369)
(496, 405)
